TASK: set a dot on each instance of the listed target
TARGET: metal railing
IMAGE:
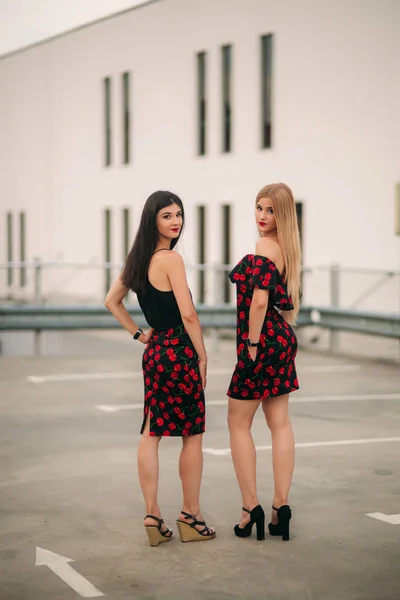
(356, 321)
(57, 318)
(77, 283)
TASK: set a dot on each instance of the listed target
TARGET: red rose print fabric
(174, 397)
(273, 373)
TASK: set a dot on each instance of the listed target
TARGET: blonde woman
(268, 297)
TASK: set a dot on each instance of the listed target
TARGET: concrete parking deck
(69, 429)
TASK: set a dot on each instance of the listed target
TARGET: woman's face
(169, 222)
(265, 219)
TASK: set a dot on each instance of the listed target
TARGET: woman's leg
(190, 471)
(147, 461)
(276, 412)
(240, 419)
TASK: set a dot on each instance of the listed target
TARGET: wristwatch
(137, 334)
(252, 344)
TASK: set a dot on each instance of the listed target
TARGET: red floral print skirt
(273, 373)
(174, 397)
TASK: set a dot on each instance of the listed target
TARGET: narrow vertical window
(201, 103)
(300, 218)
(107, 121)
(397, 209)
(226, 98)
(126, 232)
(299, 214)
(226, 248)
(266, 90)
(126, 114)
(22, 249)
(201, 252)
(10, 272)
(107, 247)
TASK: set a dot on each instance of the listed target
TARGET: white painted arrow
(59, 565)
(392, 519)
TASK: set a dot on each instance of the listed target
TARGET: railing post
(38, 281)
(217, 301)
(38, 301)
(335, 294)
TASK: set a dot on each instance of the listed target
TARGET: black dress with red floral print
(173, 393)
(273, 372)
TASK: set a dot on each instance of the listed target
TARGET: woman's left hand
(145, 337)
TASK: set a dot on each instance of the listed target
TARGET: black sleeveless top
(160, 308)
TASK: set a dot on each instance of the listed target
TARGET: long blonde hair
(287, 227)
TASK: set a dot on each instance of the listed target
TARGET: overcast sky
(23, 22)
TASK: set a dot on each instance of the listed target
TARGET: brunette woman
(174, 362)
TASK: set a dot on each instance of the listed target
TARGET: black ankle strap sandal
(160, 523)
(205, 532)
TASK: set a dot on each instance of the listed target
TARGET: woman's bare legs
(190, 471)
(276, 411)
(147, 461)
(240, 419)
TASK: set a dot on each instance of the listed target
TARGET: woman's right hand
(145, 337)
(203, 372)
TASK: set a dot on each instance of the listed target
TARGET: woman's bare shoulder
(268, 248)
(169, 259)
(169, 255)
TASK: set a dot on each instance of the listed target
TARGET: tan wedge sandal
(189, 533)
(155, 535)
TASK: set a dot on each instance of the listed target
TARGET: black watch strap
(137, 334)
(252, 344)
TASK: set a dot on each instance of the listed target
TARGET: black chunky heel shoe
(257, 516)
(282, 526)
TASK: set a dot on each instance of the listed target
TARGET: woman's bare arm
(177, 277)
(259, 302)
(114, 303)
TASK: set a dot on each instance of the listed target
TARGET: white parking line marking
(110, 408)
(226, 451)
(82, 377)
(60, 567)
(211, 372)
(392, 519)
(328, 369)
(344, 398)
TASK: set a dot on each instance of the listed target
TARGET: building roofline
(75, 29)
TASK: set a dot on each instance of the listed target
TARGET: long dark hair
(134, 272)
